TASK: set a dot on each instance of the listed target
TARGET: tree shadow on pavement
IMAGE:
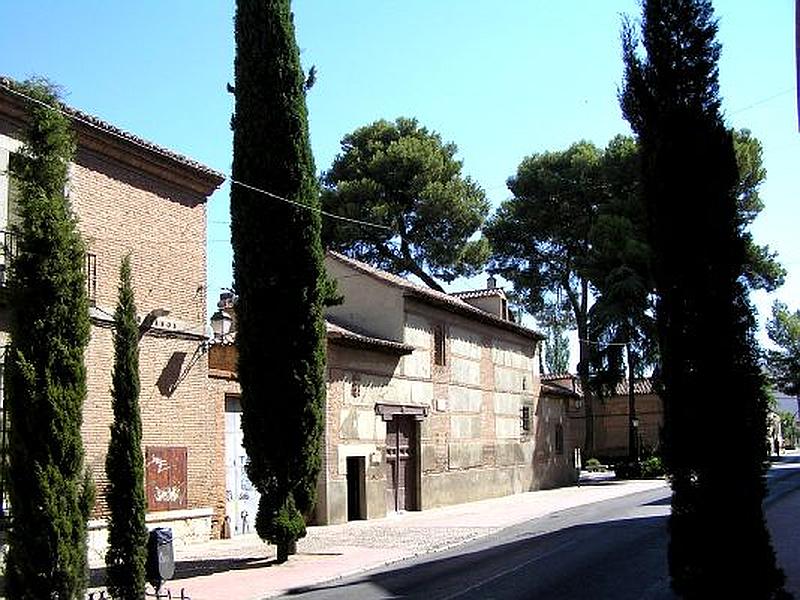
(198, 567)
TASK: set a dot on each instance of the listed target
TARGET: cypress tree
(50, 494)
(127, 532)
(712, 388)
(278, 272)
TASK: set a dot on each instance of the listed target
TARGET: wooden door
(401, 459)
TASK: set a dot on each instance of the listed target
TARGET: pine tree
(50, 493)
(713, 392)
(127, 532)
(278, 272)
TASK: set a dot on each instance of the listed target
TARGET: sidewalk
(243, 568)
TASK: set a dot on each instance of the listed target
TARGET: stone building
(432, 399)
(133, 197)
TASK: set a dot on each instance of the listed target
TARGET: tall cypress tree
(127, 532)
(714, 403)
(46, 378)
(278, 271)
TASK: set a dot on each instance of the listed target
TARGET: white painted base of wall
(188, 527)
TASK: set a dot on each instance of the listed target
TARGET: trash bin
(160, 565)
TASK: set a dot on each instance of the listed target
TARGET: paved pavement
(244, 568)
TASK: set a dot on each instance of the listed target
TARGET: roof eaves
(211, 178)
(436, 297)
(343, 336)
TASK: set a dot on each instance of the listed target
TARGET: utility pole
(633, 422)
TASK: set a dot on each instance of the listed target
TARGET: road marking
(501, 574)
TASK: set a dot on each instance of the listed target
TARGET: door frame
(388, 412)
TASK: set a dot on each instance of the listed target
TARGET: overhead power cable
(228, 177)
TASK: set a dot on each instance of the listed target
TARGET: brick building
(133, 197)
(611, 415)
(432, 399)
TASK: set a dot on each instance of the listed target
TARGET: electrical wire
(134, 140)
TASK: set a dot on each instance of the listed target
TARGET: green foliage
(404, 177)
(541, 238)
(50, 493)
(593, 465)
(784, 363)
(652, 467)
(278, 271)
(280, 523)
(762, 270)
(127, 532)
(789, 429)
(618, 266)
(704, 321)
(556, 348)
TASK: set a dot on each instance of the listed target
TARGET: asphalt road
(611, 549)
(586, 552)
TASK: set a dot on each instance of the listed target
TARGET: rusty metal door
(401, 455)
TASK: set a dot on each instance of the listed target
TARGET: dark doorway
(356, 483)
(401, 463)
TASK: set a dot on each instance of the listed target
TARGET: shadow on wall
(172, 374)
(552, 448)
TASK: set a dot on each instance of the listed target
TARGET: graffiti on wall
(165, 476)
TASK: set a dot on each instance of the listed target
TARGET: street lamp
(150, 320)
(221, 323)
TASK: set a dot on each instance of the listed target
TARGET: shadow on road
(623, 559)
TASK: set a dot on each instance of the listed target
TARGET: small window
(438, 345)
(524, 383)
(559, 438)
(525, 419)
(355, 386)
(91, 277)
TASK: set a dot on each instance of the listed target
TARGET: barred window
(525, 418)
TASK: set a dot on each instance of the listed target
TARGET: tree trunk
(414, 268)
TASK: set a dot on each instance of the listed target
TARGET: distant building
(611, 415)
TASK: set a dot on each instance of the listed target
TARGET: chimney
(491, 282)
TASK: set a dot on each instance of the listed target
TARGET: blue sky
(500, 79)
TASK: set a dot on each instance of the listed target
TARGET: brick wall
(162, 227)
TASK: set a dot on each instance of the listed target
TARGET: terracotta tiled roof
(337, 332)
(554, 389)
(480, 293)
(557, 376)
(431, 296)
(8, 88)
(566, 380)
